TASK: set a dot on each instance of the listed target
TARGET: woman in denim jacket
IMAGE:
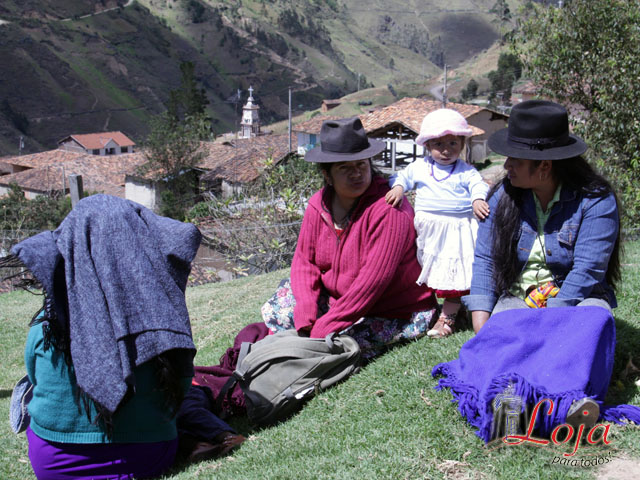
(553, 219)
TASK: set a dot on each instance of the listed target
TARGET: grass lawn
(386, 422)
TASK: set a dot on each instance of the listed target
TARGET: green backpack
(280, 372)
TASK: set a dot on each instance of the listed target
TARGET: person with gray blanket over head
(110, 353)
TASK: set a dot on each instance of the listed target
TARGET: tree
(172, 149)
(503, 13)
(470, 91)
(586, 55)
(502, 80)
(188, 99)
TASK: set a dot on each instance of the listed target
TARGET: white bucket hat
(443, 122)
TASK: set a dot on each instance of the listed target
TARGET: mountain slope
(68, 68)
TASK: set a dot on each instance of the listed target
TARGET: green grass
(386, 422)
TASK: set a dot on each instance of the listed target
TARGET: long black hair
(573, 173)
(56, 337)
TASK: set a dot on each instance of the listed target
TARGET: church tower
(250, 125)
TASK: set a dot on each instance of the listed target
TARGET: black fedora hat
(537, 130)
(343, 141)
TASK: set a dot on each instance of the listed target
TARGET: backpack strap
(238, 374)
(225, 391)
(330, 343)
(244, 350)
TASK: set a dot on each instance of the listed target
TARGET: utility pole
(358, 81)
(64, 188)
(75, 189)
(20, 145)
(234, 185)
(444, 88)
(289, 130)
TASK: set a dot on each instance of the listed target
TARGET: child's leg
(445, 325)
(451, 306)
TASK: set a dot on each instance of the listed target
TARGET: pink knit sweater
(370, 271)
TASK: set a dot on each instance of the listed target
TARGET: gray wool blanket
(116, 275)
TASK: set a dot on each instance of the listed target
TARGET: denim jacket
(579, 236)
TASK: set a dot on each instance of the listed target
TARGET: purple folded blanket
(563, 354)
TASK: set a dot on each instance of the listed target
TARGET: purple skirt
(123, 461)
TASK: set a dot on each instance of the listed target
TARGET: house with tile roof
(226, 168)
(399, 124)
(330, 104)
(308, 133)
(48, 172)
(243, 159)
(105, 143)
(526, 91)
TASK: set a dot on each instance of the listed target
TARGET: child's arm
(480, 209)
(395, 195)
(400, 183)
(478, 190)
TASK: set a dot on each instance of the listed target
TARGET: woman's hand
(480, 209)
(394, 196)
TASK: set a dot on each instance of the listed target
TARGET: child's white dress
(444, 222)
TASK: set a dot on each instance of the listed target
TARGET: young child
(449, 192)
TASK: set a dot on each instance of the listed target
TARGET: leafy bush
(258, 229)
(21, 217)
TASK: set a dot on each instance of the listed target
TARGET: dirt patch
(117, 67)
(619, 469)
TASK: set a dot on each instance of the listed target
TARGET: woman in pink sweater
(354, 269)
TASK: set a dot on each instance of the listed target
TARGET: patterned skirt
(373, 334)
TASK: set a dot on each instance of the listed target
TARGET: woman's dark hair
(575, 174)
(168, 379)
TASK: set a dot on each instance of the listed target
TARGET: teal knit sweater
(56, 417)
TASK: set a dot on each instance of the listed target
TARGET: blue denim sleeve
(482, 295)
(595, 240)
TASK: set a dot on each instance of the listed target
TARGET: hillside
(79, 66)
(386, 422)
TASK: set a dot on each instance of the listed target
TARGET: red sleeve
(388, 236)
(305, 274)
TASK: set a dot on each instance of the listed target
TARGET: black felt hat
(343, 141)
(537, 130)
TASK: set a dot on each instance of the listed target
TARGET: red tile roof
(104, 174)
(313, 125)
(243, 159)
(99, 140)
(43, 159)
(407, 112)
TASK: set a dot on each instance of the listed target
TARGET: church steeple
(250, 125)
